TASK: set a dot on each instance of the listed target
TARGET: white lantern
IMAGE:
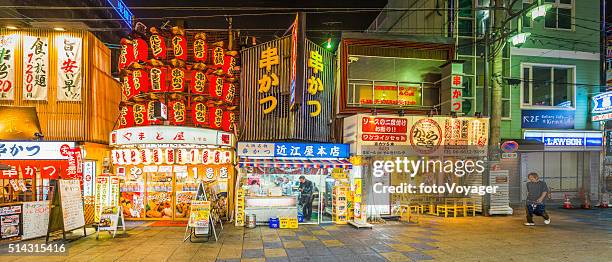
(206, 157)
(170, 156)
(194, 156)
(158, 156)
(146, 156)
(135, 157)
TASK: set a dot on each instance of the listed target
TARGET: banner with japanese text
(35, 67)
(70, 74)
(7, 66)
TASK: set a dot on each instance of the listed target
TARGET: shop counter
(265, 207)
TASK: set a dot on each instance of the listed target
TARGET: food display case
(186, 189)
(265, 207)
(159, 195)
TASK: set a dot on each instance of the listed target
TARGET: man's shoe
(547, 221)
(530, 224)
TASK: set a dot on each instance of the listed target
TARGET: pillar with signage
(451, 88)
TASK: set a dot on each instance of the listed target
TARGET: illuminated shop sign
(602, 103)
(170, 135)
(35, 150)
(567, 139)
(123, 11)
(294, 150)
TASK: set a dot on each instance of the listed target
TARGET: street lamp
(539, 10)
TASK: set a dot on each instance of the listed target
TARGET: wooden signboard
(111, 217)
(66, 208)
(35, 219)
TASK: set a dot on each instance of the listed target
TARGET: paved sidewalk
(574, 235)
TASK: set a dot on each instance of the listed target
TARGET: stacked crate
(340, 205)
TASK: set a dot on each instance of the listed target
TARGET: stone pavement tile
(401, 247)
(394, 256)
(286, 232)
(228, 260)
(349, 258)
(361, 249)
(289, 238)
(293, 244)
(252, 253)
(252, 245)
(416, 255)
(422, 246)
(372, 258)
(313, 259)
(332, 243)
(325, 237)
(320, 232)
(341, 251)
(426, 239)
(318, 251)
(314, 243)
(296, 252)
(382, 248)
(272, 244)
(275, 252)
(253, 260)
(277, 259)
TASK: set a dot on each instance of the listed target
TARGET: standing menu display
(35, 219)
(10, 221)
(72, 204)
(500, 201)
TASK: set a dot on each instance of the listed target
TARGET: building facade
(549, 81)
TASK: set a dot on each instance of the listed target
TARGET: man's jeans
(536, 209)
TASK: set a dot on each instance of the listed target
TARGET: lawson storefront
(569, 162)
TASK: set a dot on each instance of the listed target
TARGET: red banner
(384, 125)
(75, 165)
(215, 86)
(150, 113)
(140, 114)
(229, 91)
(215, 117)
(158, 46)
(141, 50)
(157, 78)
(126, 116)
(126, 87)
(177, 112)
(49, 169)
(126, 56)
(198, 114)
(179, 46)
(227, 122)
(140, 82)
(177, 80)
(229, 62)
(218, 57)
(198, 82)
(200, 49)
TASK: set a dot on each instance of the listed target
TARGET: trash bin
(251, 221)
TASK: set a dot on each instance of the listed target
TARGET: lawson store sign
(567, 140)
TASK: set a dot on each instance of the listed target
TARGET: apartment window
(548, 86)
(560, 16)
(526, 19)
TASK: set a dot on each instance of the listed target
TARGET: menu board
(10, 220)
(109, 217)
(35, 219)
(199, 213)
(101, 194)
(114, 192)
(72, 204)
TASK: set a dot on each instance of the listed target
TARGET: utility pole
(497, 78)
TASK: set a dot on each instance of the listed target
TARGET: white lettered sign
(69, 68)
(35, 67)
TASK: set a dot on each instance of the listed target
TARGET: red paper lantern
(200, 49)
(140, 82)
(141, 50)
(215, 86)
(218, 56)
(140, 114)
(150, 113)
(157, 77)
(126, 117)
(179, 46)
(198, 82)
(177, 79)
(126, 87)
(126, 56)
(198, 114)
(215, 117)
(177, 112)
(227, 122)
(229, 91)
(229, 62)
(158, 46)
